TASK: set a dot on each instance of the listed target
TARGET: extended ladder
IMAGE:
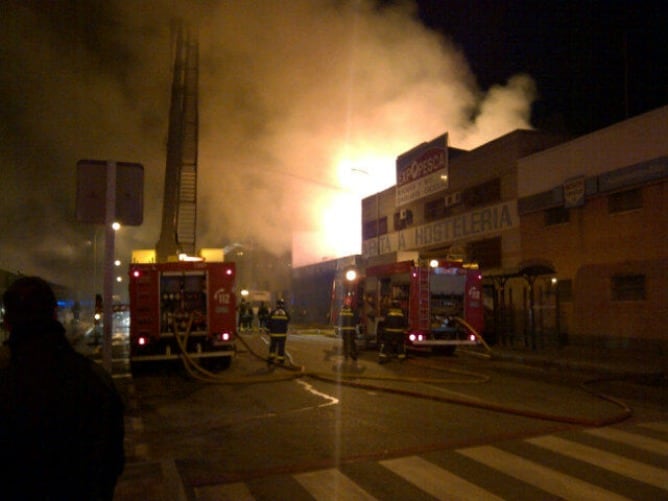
(424, 298)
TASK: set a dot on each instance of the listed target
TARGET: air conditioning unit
(453, 199)
(403, 214)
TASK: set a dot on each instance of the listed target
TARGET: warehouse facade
(595, 211)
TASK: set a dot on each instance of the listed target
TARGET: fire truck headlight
(141, 341)
(136, 273)
(472, 337)
(225, 336)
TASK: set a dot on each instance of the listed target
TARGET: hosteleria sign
(422, 171)
(464, 227)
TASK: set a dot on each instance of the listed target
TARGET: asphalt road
(259, 433)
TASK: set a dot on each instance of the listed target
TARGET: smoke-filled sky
(304, 106)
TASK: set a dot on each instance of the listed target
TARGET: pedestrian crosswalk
(612, 463)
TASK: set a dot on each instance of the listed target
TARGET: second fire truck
(442, 300)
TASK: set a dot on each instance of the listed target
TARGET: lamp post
(108, 293)
(92, 243)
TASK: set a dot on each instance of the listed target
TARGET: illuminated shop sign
(422, 171)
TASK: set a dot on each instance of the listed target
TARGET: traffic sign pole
(109, 244)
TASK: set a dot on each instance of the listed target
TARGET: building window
(369, 230)
(487, 253)
(625, 201)
(557, 215)
(434, 210)
(402, 219)
(372, 229)
(382, 226)
(628, 287)
(483, 194)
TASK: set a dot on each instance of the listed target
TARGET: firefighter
(263, 315)
(242, 313)
(347, 324)
(278, 332)
(393, 342)
(247, 317)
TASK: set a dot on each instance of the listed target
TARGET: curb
(583, 366)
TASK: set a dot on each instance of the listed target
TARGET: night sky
(594, 62)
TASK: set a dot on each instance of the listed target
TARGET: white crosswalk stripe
(436, 481)
(550, 480)
(226, 492)
(660, 426)
(627, 467)
(325, 485)
(645, 443)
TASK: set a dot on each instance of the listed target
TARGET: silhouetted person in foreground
(61, 418)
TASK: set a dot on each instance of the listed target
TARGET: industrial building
(571, 235)
(595, 211)
(472, 217)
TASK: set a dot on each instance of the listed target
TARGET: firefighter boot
(401, 352)
(382, 356)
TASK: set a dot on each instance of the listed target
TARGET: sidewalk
(601, 361)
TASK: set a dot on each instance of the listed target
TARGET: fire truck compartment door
(449, 285)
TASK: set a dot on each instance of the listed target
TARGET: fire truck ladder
(186, 218)
(179, 216)
(424, 299)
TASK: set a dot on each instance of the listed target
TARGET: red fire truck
(442, 300)
(184, 303)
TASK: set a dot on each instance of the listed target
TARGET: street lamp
(108, 292)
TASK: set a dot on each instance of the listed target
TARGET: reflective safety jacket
(278, 321)
(395, 320)
(347, 319)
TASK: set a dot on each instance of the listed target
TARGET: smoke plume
(304, 105)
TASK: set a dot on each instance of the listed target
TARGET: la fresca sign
(469, 226)
(422, 171)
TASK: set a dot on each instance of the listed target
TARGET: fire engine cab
(442, 301)
(182, 307)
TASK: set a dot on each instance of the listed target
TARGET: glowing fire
(359, 174)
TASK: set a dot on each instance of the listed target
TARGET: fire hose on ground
(291, 371)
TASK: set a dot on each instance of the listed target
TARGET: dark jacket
(61, 421)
